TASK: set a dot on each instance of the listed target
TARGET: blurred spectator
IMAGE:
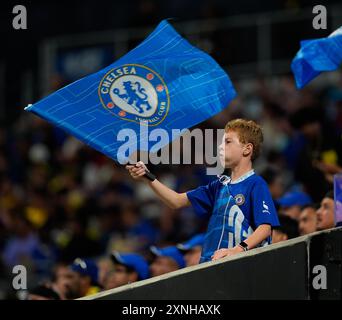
(308, 220)
(326, 212)
(105, 266)
(313, 142)
(128, 268)
(192, 249)
(137, 227)
(64, 282)
(328, 169)
(86, 276)
(166, 260)
(291, 202)
(24, 246)
(79, 242)
(274, 181)
(288, 229)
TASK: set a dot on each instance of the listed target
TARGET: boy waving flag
(241, 209)
(165, 82)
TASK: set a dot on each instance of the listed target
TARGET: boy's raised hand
(137, 171)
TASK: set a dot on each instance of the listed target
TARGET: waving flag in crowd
(315, 56)
(164, 82)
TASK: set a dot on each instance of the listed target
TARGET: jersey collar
(243, 177)
(228, 180)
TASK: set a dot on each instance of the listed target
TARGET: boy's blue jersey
(237, 209)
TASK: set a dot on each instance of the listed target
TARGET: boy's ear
(248, 149)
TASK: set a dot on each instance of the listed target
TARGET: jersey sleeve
(264, 211)
(203, 198)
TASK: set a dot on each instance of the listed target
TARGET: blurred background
(60, 200)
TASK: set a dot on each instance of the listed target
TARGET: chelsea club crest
(136, 93)
(239, 199)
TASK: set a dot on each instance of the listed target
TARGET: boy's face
(231, 150)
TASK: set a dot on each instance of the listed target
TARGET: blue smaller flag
(315, 56)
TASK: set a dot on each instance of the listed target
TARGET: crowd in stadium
(80, 224)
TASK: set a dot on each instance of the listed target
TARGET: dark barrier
(326, 249)
(280, 271)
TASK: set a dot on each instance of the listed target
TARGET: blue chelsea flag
(165, 82)
(315, 56)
